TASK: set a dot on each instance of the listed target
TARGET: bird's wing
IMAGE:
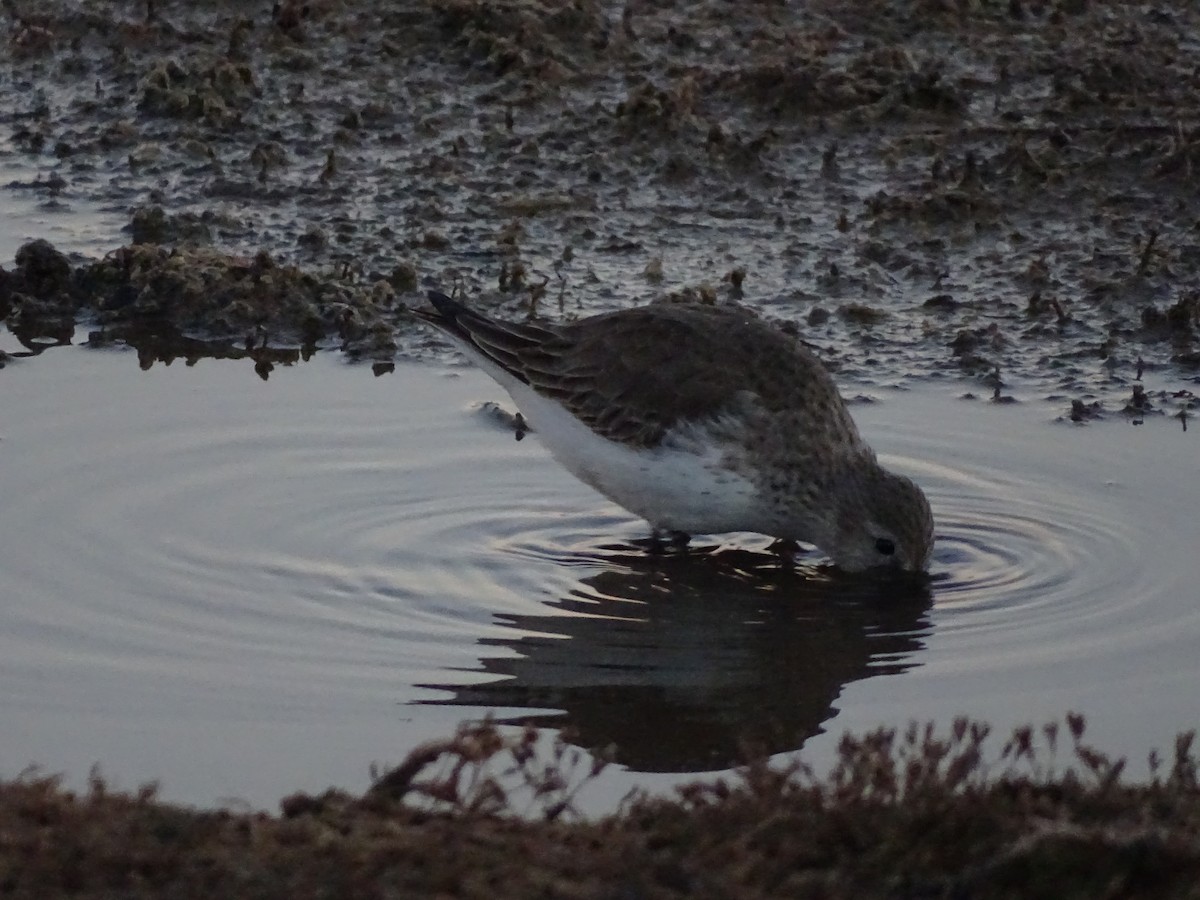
(634, 375)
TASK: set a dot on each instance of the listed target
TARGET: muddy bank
(921, 814)
(999, 193)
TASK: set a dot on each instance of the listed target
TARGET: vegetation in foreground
(484, 814)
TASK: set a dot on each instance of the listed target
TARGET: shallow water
(31, 210)
(249, 587)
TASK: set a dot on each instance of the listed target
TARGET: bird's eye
(886, 546)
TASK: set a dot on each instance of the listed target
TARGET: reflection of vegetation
(165, 345)
(678, 660)
(146, 298)
(145, 294)
(918, 814)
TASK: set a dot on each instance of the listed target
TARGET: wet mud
(1001, 193)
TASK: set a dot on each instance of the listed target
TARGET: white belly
(673, 489)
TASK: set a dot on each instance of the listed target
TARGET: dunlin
(702, 419)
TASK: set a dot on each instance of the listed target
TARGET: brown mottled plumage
(702, 418)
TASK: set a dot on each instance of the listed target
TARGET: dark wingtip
(447, 307)
(447, 314)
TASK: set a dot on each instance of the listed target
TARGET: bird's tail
(448, 315)
(505, 344)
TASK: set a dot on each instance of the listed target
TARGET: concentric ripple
(1026, 559)
(246, 587)
(1055, 544)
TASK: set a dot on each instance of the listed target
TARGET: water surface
(248, 587)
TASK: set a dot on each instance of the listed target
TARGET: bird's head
(882, 521)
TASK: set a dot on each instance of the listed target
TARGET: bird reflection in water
(684, 661)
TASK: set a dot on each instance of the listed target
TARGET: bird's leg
(786, 550)
(663, 539)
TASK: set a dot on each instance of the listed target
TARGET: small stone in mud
(861, 314)
(268, 155)
(42, 271)
(403, 277)
(1085, 412)
(435, 240)
(970, 339)
(152, 225)
(941, 303)
(382, 368)
(314, 239)
(817, 316)
(288, 16)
